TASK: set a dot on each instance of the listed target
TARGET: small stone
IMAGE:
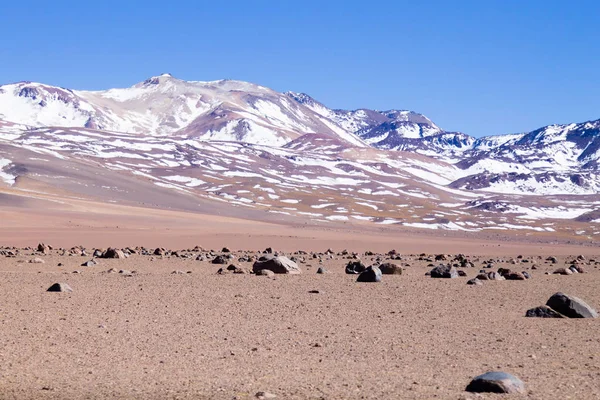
(371, 274)
(37, 261)
(277, 264)
(314, 291)
(563, 271)
(496, 382)
(265, 272)
(322, 270)
(515, 276)
(543, 312)
(113, 253)
(265, 395)
(474, 281)
(355, 267)
(89, 263)
(219, 260)
(177, 272)
(60, 287)
(571, 306)
(444, 271)
(390, 269)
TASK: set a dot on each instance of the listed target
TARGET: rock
(563, 271)
(219, 260)
(494, 276)
(390, 269)
(322, 270)
(475, 281)
(496, 382)
(444, 271)
(265, 272)
(177, 272)
(37, 261)
(113, 253)
(60, 287)
(277, 264)
(112, 271)
(514, 276)
(43, 248)
(570, 306)
(543, 312)
(89, 263)
(461, 272)
(526, 274)
(579, 269)
(371, 274)
(573, 269)
(552, 259)
(355, 267)
(265, 395)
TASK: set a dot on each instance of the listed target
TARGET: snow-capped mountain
(556, 159)
(164, 105)
(186, 144)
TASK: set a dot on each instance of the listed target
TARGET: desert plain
(168, 326)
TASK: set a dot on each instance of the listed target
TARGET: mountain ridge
(286, 153)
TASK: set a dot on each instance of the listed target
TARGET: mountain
(164, 105)
(237, 148)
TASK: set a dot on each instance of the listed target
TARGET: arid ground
(153, 334)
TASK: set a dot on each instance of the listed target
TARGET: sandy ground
(158, 335)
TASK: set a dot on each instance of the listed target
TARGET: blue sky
(480, 67)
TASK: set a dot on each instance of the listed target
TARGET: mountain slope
(287, 155)
(164, 105)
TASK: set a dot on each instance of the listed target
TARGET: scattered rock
(89, 263)
(60, 287)
(444, 271)
(475, 281)
(219, 260)
(515, 276)
(265, 395)
(571, 306)
(390, 269)
(113, 253)
(277, 264)
(371, 274)
(563, 271)
(265, 272)
(543, 312)
(355, 267)
(496, 382)
(43, 248)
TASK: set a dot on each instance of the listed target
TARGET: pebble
(496, 382)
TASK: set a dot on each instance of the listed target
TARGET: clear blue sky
(482, 67)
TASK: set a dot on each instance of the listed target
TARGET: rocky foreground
(198, 323)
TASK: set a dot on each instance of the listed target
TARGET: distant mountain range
(245, 144)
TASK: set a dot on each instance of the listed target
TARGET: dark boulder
(570, 306)
(371, 274)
